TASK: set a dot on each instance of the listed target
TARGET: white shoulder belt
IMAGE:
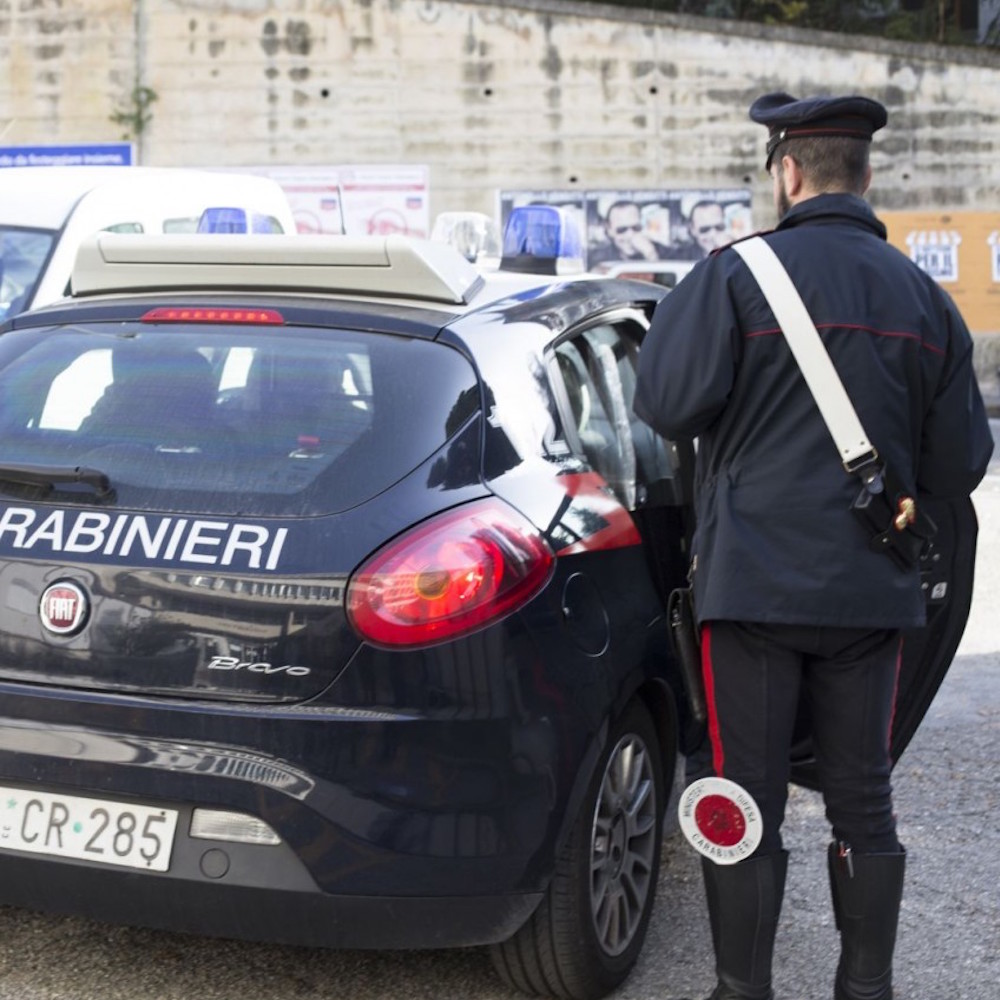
(803, 339)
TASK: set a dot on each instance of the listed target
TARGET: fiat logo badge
(63, 608)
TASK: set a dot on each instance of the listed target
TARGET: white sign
(314, 195)
(357, 200)
(381, 200)
(935, 252)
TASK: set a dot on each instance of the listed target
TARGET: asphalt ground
(947, 794)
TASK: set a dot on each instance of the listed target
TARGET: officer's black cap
(787, 117)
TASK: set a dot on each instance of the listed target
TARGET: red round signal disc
(720, 820)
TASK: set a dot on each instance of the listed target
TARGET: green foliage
(937, 21)
(136, 114)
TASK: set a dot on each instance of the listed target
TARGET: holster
(890, 515)
(684, 638)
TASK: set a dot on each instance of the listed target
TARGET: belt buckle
(866, 465)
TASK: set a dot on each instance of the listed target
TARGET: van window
(182, 225)
(23, 253)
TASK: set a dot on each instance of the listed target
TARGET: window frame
(629, 326)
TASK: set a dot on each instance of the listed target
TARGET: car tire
(586, 935)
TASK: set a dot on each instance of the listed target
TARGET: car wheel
(586, 934)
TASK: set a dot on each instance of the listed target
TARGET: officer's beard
(784, 206)
(781, 202)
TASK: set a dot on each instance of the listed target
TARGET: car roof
(383, 266)
(405, 285)
(45, 197)
(380, 268)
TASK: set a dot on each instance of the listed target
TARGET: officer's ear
(792, 179)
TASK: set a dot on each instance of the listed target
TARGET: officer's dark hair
(829, 163)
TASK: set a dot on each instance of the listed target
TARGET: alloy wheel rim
(623, 845)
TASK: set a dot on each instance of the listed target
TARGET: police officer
(791, 600)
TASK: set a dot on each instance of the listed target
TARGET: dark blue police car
(332, 590)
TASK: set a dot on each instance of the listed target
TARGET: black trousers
(755, 675)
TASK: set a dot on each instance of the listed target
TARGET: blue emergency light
(541, 239)
(235, 220)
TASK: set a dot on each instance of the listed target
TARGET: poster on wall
(314, 195)
(959, 250)
(664, 225)
(647, 225)
(935, 251)
(356, 200)
(379, 200)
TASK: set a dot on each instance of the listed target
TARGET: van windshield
(23, 253)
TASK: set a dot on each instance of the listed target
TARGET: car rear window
(227, 420)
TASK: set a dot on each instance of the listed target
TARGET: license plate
(68, 826)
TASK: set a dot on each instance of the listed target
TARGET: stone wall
(537, 94)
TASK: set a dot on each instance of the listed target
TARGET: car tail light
(451, 575)
(191, 314)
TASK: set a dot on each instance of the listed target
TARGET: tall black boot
(867, 890)
(744, 903)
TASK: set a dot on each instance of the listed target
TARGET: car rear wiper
(54, 475)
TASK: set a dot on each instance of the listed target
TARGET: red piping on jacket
(856, 326)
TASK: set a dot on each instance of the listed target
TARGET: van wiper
(54, 475)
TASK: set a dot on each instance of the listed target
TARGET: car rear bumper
(285, 916)
(436, 824)
(394, 831)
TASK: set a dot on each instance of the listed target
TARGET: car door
(947, 578)
(593, 372)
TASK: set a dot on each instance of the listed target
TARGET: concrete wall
(537, 94)
(534, 94)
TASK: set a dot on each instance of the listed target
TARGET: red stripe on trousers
(713, 715)
(895, 695)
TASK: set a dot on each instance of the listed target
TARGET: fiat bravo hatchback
(333, 578)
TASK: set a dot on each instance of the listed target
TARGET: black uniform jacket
(775, 539)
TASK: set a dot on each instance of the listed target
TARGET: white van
(45, 212)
